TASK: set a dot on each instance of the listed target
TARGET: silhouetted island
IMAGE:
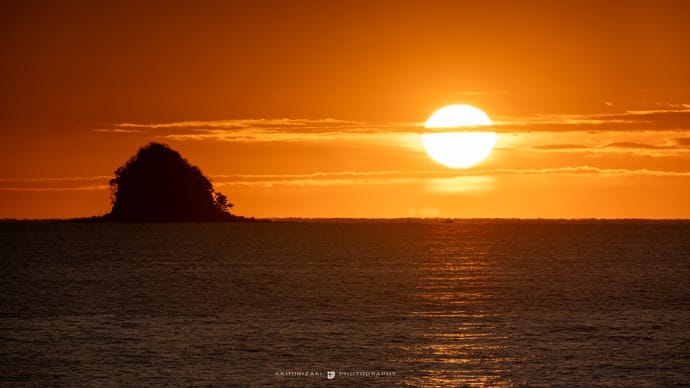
(159, 185)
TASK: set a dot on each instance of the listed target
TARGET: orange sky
(315, 109)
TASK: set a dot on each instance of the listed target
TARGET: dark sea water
(380, 303)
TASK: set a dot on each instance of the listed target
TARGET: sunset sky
(316, 108)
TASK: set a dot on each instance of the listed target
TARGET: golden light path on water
(462, 343)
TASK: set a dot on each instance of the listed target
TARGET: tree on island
(159, 185)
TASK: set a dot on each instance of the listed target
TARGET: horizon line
(321, 219)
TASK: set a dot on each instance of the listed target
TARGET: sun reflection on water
(459, 342)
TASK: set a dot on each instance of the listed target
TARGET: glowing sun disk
(459, 149)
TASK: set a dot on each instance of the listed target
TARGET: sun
(459, 149)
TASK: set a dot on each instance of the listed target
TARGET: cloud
(587, 170)
(660, 117)
(614, 147)
(283, 130)
(560, 147)
(645, 143)
(433, 181)
(438, 181)
(633, 145)
(72, 188)
(118, 130)
(268, 136)
(325, 182)
(71, 183)
(327, 125)
(682, 141)
(55, 179)
(316, 179)
(314, 175)
(450, 181)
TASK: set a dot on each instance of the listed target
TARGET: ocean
(346, 302)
